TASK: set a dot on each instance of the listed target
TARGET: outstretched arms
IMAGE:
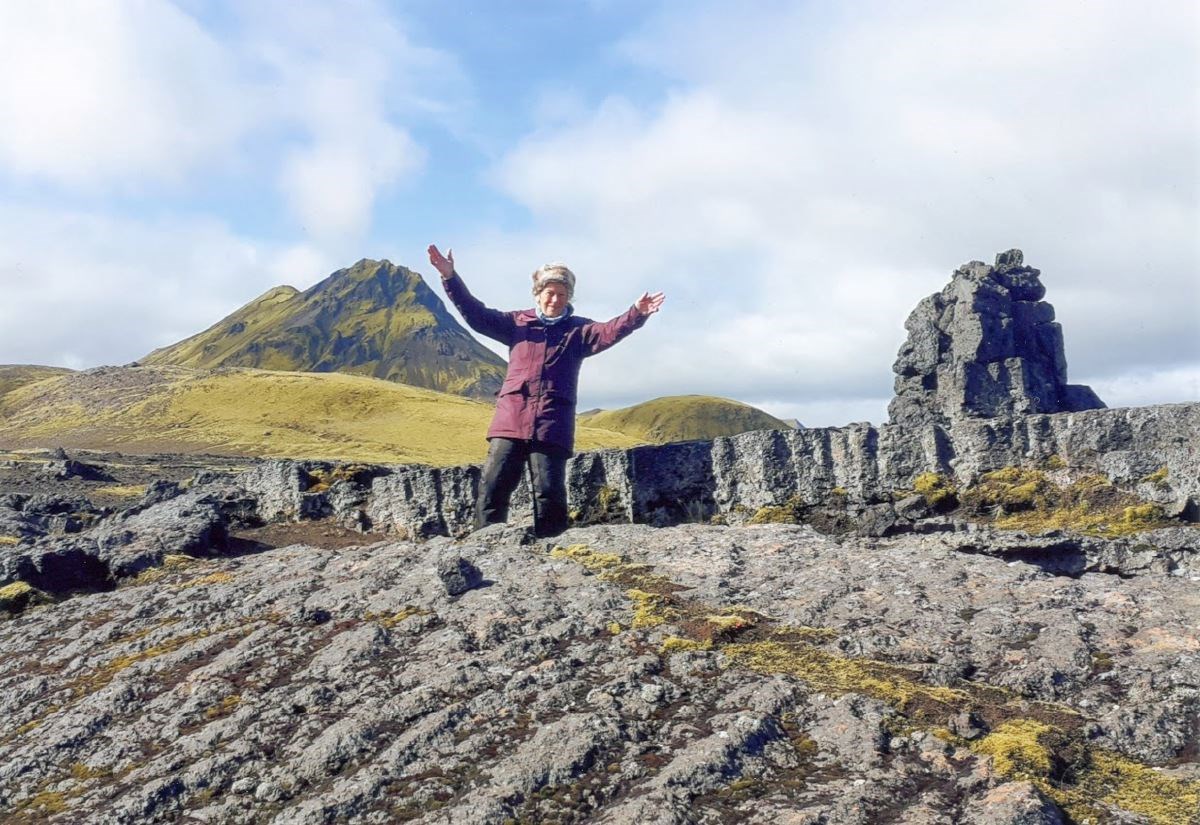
(649, 304)
(493, 323)
(598, 337)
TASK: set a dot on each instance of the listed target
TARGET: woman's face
(552, 300)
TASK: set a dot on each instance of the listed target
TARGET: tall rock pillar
(987, 345)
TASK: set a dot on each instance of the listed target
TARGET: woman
(535, 408)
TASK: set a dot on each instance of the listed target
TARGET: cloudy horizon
(794, 176)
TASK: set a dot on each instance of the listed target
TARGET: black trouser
(506, 459)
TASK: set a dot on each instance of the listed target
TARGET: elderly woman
(535, 408)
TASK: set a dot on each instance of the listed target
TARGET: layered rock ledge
(857, 479)
(695, 481)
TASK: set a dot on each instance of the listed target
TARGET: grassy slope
(683, 418)
(18, 375)
(255, 413)
(216, 344)
(372, 319)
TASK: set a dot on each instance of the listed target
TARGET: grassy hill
(18, 375)
(374, 319)
(253, 413)
(683, 418)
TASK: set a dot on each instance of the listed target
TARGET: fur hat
(553, 273)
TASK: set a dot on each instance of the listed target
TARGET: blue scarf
(552, 321)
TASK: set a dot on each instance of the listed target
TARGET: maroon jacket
(537, 399)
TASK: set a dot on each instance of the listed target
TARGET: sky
(795, 176)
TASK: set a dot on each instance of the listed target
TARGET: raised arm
(597, 337)
(493, 323)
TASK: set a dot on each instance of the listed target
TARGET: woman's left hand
(649, 304)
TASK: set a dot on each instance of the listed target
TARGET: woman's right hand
(444, 264)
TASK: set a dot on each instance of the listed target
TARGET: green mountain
(683, 418)
(374, 318)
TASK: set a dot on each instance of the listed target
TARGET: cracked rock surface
(687, 674)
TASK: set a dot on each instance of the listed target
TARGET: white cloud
(103, 93)
(811, 176)
(1149, 387)
(105, 97)
(331, 186)
(302, 265)
(349, 75)
(82, 289)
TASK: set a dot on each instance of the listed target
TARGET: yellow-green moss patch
(589, 558)
(1158, 477)
(772, 514)
(1108, 522)
(1009, 489)
(676, 644)
(32, 724)
(1016, 749)
(1077, 777)
(321, 479)
(82, 773)
(787, 513)
(650, 609)
(406, 612)
(47, 802)
(100, 677)
(826, 671)
(17, 596)
(223, 708)
(1055, 462)
(1137, 788)
(730, 621)
(937, 490)
(171, 563)
(122, 490)
(614, 568)
(1023, 499)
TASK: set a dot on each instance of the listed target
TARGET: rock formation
(985, 346)
(694, 673)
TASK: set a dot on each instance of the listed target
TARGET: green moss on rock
(1024, 499)
(937, 490)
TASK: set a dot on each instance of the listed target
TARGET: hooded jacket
(537, 399)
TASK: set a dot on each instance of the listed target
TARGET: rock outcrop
(696, 481)
(689, 674)
(858, 479)
(986, 346)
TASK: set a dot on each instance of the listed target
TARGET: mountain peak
(372, 318)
